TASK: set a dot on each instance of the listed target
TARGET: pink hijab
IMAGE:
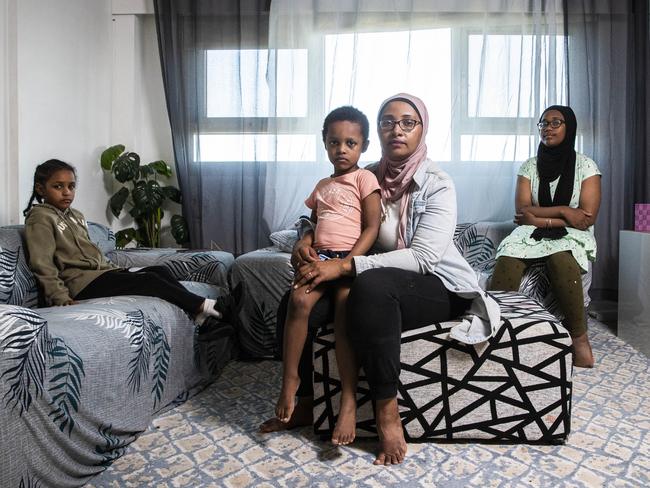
(395, 177)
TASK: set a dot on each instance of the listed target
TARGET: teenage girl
(70, 267)
(557, 201)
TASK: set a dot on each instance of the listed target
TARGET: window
(238, 85)
(510, 79)
(484, 92)
(240, 118)
(426, 72)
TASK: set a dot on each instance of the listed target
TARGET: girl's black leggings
(383, 303)
(152, 281)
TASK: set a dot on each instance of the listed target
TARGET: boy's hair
(350, 114)
(44, 172)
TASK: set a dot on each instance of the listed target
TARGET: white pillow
(284, 239)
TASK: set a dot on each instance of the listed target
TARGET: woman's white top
(389, 229)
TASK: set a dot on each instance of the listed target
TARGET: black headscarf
(553, 162)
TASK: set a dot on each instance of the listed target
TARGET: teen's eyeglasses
(555, 124)
(407, 125)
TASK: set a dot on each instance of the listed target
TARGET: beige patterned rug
(212, 440)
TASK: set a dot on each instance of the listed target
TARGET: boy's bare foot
(302, 415)
(287, 400)
(583, 356)
(345, 428)
(391, 436)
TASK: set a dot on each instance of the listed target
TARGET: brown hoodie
(61, 254)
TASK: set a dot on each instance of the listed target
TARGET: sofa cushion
(267, 273)
(17, 283)
(102, 236)
(186, 265)
(284, 240)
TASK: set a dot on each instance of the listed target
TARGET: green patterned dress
(581, 243)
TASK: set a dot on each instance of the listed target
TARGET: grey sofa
(515, 387)
(268, 274)
(79, 383)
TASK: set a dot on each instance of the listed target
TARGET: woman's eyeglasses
(555, 124)
(407, 125)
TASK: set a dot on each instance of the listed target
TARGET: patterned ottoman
(515, 387)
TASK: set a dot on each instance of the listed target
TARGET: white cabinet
(634, 289)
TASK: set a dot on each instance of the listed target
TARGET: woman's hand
(577, 218)
(314, 273)
(527, 218)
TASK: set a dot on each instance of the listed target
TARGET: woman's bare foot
(302, 415)
(287, 400)
(583, 356)
(345, 428)
(391, 436)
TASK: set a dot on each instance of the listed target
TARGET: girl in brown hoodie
(69, 266)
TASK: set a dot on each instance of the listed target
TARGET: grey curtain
(608, 89)
(638, 104)
(221, 202)
(234, 203)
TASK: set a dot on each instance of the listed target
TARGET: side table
(634, 289)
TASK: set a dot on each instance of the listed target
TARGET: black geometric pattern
(516, 387)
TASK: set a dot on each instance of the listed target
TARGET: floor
(212, 440)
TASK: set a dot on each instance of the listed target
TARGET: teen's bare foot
(345, 428)
(287, 400)
(583, 356)
(392, 446)
(302, 415)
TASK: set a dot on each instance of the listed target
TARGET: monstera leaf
(180, 232)
(161, 168)
(117, 201)
(110, 155)
(124, 236)
(147, 195)
(127, 167)
(173, 193)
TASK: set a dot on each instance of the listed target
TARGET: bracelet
(548, 223)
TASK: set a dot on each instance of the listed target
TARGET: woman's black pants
(383, 303)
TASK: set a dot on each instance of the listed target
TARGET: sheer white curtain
(485, 69)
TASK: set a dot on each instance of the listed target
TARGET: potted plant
(143, 195)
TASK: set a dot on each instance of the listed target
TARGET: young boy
(346, 207)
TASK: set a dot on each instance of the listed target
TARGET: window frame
(461, 124)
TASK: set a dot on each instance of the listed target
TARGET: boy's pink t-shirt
(337, 201)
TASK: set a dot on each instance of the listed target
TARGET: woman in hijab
(556, 202)
(415, 277)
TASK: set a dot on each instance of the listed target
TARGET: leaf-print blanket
(77, 384)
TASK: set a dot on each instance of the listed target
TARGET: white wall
(155, 138)
(140, 119)
(64, 106)
(77, 76)
(9, 195)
